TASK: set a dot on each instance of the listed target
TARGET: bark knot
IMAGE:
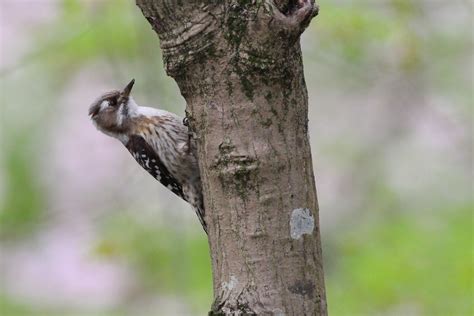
(238, 172)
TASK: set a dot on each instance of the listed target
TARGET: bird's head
(111, 111)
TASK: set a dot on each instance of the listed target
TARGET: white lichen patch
(278, 312)
(229, 286)
(301, 222)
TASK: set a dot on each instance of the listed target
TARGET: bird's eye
(112, 102)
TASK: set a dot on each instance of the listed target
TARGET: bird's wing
(149, 160)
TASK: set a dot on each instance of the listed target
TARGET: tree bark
(238, 64)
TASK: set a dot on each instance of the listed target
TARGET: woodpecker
(158, 140)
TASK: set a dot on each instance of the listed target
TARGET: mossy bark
(238, 64)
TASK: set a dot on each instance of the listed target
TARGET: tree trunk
(238, 65)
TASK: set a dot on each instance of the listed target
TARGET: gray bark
(238, 64)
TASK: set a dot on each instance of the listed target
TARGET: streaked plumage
(157, 139)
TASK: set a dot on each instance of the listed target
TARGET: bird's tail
(200, 212)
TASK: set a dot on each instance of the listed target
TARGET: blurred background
(85, 231)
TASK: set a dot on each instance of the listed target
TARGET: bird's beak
(94, 110)
(128, 89)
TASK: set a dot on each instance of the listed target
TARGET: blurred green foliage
(168, 261)
(392, 264)
(407, 266)
(21, 207)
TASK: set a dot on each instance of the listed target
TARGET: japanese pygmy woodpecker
(158, 140)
